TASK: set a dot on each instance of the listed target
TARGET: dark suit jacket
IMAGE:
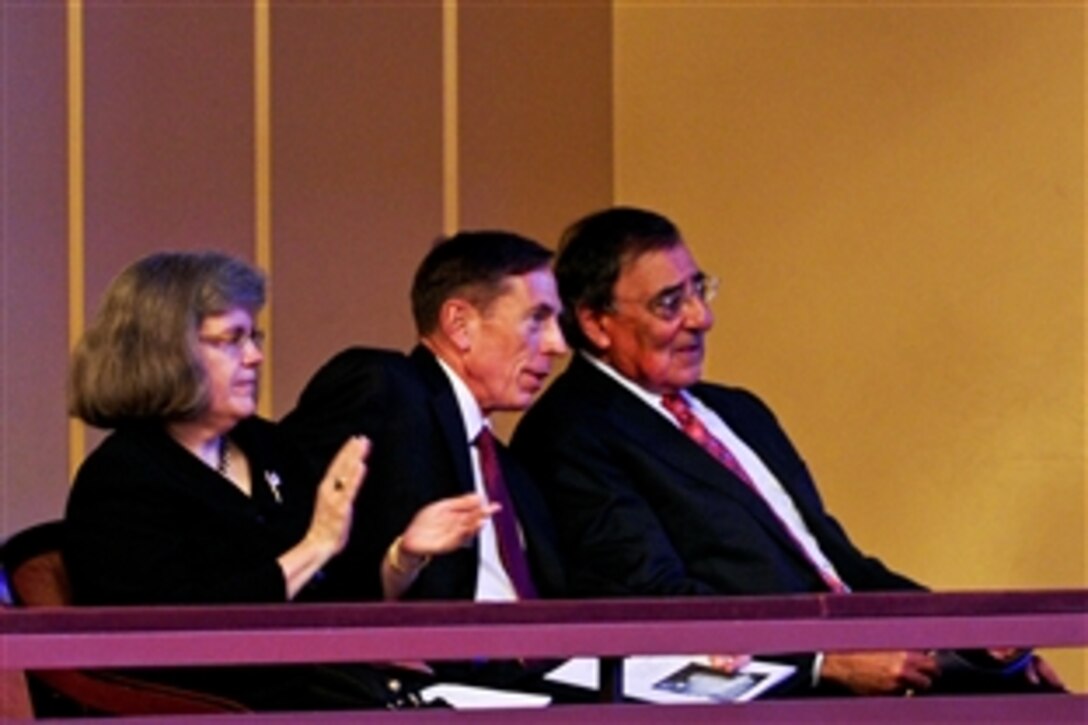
(148, 523)
(406, 405)
(643, 510)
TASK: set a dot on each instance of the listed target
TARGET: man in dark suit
(445, 512)
(663, 485)
(485, 307)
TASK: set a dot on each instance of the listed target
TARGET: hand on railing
(880, 673)
(1038, 671)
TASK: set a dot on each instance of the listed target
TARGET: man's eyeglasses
(668, 304)
(232, 341)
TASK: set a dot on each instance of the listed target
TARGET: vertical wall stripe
(613, 102)
(450, 157)
(77, 432)
(262, 83)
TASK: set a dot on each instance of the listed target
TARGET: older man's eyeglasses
(668, 304)
(232, 341)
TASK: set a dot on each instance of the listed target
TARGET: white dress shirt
(493, 584)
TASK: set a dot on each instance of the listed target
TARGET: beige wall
(894, 197)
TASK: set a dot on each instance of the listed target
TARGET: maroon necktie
(694, 429)
(505, 521)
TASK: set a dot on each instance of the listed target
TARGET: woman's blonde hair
(138, 360)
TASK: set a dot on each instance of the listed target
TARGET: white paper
(669, 679)
(470, 697)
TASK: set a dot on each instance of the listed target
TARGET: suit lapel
(650, 431)
(443, 405)
(527, 504)
(810, 509)
(529, 507)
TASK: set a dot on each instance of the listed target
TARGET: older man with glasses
(664, 485)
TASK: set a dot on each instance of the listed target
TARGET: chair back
(32, 562)
(35, 570)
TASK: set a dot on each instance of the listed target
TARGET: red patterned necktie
(694, 429)
(505, 521)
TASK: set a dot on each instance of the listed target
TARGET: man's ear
(458, 319)
(594, 327)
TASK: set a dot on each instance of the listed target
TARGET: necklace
(224, 457)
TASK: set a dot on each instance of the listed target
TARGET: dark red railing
(114, 637)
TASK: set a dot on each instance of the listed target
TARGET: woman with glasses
(193, 498)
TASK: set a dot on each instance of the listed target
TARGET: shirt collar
(471, 415)
(650, 398)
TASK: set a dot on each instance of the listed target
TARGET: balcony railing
(123, 637)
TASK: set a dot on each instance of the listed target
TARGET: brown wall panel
(169, 131)
(168, 134)
(357, 176)
(535, 120)
(33, 265)
(535, 100)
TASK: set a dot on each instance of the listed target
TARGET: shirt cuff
(817, 663)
